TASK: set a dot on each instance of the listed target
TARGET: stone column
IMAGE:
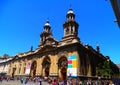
(59, 73)
(89, 70)
(52, 67)
(22, 68)
(43, 72)
(89, 66)
(69, 29)
(39, 67)
(73, 29)
(17, 69)
(56, 69)
(8, 72)
(11, 71)
(64, 31)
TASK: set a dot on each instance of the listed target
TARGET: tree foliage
(104, 69)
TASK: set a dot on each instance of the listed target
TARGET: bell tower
(46, 38)
(47, 27)
(47, 32)
(70, 28)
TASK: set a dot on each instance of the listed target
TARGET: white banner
(28, 67)
(72, 72)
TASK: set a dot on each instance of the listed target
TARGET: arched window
(46, 62)
(62, 62)
(33, 69)
(67, 30)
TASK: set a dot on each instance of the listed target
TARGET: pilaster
(39, 67)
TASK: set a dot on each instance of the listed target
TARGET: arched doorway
(47, 71)
(64, 73)
(62, 66)
(33, 69)
(46, 66)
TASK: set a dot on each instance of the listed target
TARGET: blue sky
(22, 21)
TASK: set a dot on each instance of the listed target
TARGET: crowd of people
(71, 81)
(56, 81)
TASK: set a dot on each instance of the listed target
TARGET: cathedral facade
(61, 59)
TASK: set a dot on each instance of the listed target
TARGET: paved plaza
(17, 82)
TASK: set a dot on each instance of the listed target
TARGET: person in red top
(54, 82)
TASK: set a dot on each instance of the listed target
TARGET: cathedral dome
(70, 11)
(47, 23)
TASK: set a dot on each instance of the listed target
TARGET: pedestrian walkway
(17, 82)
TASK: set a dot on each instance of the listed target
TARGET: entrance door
(62, 65)
(47, 71)
(33, 69)
(46, 66)
(64, 73)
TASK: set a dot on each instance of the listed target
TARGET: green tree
(104, 69)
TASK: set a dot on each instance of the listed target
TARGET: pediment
(16, 57)
(46, 48)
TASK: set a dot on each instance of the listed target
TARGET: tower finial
(70, 6)
(70, 9)
(47, 20)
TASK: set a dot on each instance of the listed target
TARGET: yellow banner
(74, 63)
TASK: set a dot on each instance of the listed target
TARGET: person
(34, 79)
(71, 82)
(96, 83)
(24, 80)
(53, 82)
(7, 79)
(83, 83)
(80, 82)
(89, 82)
(21, 80)
(40, 81)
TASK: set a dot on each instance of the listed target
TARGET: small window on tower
(67, 31)
(72, 29)
(71, 17)
(41, 39)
